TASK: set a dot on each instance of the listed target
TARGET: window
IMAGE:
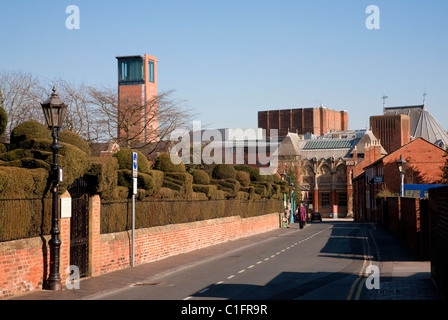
(325, 197)
(342, 199)
(130, 71)
(151, 71)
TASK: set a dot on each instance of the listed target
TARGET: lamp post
(401, 164)
(54, 111)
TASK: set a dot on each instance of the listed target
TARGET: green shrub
(179, 181)
(164, 164)
(124, 157)
(19, 183)
(200, 177)
(15, 154)
(102, 176)
(249, 190)
(243, 177)
(254, 173)
(230, 186)
(75, 140)
(3, 116)
(224, 171)
(209, 190)
(29, 130)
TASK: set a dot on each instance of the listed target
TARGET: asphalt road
(323, 261)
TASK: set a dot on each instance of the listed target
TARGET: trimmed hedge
(230, 186)
(243, 177)
(102, 177)
(209, 190)
(116, 215)
(254, 173)
(223, 171)
(19, 183)
(200, 177)
(75, 140)
(179, 181)
(164, 164)
(124, 157)
(29, 130)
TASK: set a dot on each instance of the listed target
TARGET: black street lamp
(401, 164)
(54, 111)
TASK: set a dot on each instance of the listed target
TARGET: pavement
(403, 276)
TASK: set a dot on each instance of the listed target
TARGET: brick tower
(137, 103)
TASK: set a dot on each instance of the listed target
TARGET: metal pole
(133, 228)
(402, 185)
(54, 279)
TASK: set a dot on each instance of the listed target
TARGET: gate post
(94, 235)
(65, 239)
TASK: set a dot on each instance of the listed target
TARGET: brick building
(424, 160)
(325, 166)
(137, 106)
(393, 130)
(317, 121)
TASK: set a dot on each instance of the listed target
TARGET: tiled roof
(328, 144)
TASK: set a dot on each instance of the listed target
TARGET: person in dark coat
(302, 215)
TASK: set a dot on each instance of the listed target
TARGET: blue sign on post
(134, 164)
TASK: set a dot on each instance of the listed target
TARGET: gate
(79, 226)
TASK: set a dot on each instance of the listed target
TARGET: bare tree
(22, 94)
(156, 119)
(81, 116)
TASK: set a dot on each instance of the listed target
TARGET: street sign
(134, 164)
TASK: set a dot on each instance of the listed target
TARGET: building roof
(397, 151)
(338, 144)
(422, 124)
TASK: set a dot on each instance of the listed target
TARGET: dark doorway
(79, 226)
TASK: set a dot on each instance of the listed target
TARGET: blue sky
(230, 59)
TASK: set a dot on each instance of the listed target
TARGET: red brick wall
(24, 263)
(438, 220)
(161, 242)
(410, 216)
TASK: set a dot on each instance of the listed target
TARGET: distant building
(424, 160)
(422, 124)
(393, 130)
(317, 121)
(137, 88)
(326, 165)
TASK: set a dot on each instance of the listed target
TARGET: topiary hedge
(18, 183)
(75, 140)
(102, 176)
(200, 177)
(29, 130)
(124, 157)
(209, 190)
(179, 181)
(163, 163)
(224, 171)
(243, 177)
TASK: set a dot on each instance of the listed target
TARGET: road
(323, 261)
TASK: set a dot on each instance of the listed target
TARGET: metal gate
(79, 226)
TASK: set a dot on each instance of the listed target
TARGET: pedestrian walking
(302, 215)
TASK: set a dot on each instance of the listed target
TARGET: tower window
(130, 71)
(151, 71)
